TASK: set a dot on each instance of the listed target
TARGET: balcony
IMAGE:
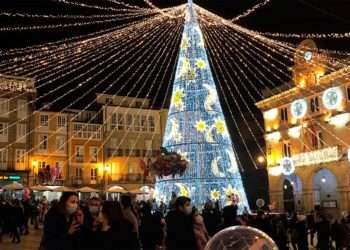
(79, 158)
(134, 179)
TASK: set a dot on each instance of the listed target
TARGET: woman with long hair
(116, 231)
(61, 223)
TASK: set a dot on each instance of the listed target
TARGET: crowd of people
(16, 215)
(71, 224)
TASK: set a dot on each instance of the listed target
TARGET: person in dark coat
(116, 232)
(151, 231)
(301, 227)
(16, 221)
(60, 224)
(180, 233)
(323, 233)
(211, 217)
(26, 215)
(229, 214)
(311, 226)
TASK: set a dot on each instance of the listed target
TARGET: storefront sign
(316, 157)
(10, 177)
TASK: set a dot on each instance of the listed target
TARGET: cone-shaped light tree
(196, 129)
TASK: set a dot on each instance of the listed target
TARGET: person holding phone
(61, 223)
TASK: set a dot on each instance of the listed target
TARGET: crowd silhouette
(73, 224)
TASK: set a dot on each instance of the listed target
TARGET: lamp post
(261, 159)
(106, 169)
(35, 165)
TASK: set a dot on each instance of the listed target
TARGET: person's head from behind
(209, 205)
(125, 201)
(94, 205)
(183, 204)
(111, 213)
(68, 203)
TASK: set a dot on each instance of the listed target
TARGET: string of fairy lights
(125, 50)
(168, 38)
(147, 38)
(226, 57)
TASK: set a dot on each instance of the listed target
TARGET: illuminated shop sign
(10, 177)
(316, 157)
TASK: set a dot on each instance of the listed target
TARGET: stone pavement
(28, 242)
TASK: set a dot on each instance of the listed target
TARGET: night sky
(297, 16)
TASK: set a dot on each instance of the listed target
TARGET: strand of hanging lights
(159, 55)
(81, 84)
(250, 10)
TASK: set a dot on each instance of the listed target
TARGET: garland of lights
(251, 10)
(122, 87)
(306, 35)
(74, 89)
(214, 47)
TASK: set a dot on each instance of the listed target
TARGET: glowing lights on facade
(332, 98)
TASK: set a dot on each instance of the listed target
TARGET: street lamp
(261, 159)
(35, 165)
(106, 169)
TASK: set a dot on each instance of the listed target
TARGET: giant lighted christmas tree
(196, 129)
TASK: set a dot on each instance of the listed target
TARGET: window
(93, 174)
(21, 108)
(137, 123)
(114, 121)
(60, 141)
(314, 104)
(20, 155)
(3, 159)
(317, 141)
(3, 131)
(61, 121)
(21, 131)
(79, 173)
(93, 154)
(348, 92)
(284, 114)
(286, 150)
(151, 124)
(148, 146)
(87, 131)
(120, 121)
(128, 121)
(79, 153)
(42, 164)
(43, 142)
(4, 107)
(143, 123)
(44, 120)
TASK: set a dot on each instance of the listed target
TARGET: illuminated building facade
(133, 132)
(307, 135)
(16, 107)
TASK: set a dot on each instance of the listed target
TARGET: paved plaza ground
(32, 241)
(28, 242)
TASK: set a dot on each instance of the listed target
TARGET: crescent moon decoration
(174, 131)
(183, 190)
(185, 43)
(185, 67)
(177, 99)
(215, 167)
(233, 162)
(201, 40)
(211, 98)
(209, 135)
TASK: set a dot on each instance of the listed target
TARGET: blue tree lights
(196, 129)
